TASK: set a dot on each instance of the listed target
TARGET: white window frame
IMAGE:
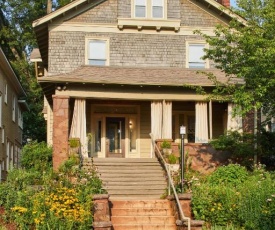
(149, 10)
(145, 8)
(194, 42)
(107, 52)
(6, 93)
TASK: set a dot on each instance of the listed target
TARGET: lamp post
(182, 132)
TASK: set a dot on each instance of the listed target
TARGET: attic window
(149, 9)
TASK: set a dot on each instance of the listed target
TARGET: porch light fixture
(182, 133)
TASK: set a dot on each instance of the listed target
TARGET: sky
(233, 2)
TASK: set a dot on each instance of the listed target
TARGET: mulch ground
(8, 226)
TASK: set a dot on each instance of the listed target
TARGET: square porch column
(60, 130)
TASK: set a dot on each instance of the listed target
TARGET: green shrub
(233, 174)
(165, 145)
(245, 201)
(36, 156)
(172, 159)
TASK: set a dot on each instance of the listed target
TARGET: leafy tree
(17, 39)
(246, 50)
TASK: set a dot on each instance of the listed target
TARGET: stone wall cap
(100, 196)
(102, 224)
(184, 196)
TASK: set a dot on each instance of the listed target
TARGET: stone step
(158, 203)
(144, 227)
(140, 220)
(142, 212)
(143, 192)
(131, 182)
(134, 187)
(136, 171)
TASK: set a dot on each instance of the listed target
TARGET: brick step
(142, 212)
(140, 220)
(144, 227)
(140, 204)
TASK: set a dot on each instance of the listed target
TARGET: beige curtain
(234, 123)
(156, 119)
(167, 120)
(78, 127)
(201, 129)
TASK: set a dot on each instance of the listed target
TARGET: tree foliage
(17, 39)
(246, 50)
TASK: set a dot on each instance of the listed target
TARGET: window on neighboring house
(20, 118)
(1, 110)
(98, 52)
(149, 8)
(3, 135)
(13, 107)
(195, 54)
(6, 93)
(7, 156)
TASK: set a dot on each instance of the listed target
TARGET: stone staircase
(130, 178)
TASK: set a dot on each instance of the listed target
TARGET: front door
(115, 136)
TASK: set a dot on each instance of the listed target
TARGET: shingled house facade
(12, 105)
(117, 69)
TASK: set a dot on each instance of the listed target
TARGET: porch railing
(170, 181)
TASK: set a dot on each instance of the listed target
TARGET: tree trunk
(49, 6)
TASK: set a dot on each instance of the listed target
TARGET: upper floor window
(20, 118)
(195, 52)
(149, 8)
(98, 52)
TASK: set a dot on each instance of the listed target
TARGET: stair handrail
(159, 155)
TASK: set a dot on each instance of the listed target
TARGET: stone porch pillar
(60, 129)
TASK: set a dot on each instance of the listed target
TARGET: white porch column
(234, 123)
(78, 127)
(156, 119)
(201, 129)
(167, 120)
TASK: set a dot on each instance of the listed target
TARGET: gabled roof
(41, 25)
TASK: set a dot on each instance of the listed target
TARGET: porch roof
(141, 76)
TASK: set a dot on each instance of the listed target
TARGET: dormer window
(149, 9)
(97, 52)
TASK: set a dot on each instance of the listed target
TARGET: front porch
(118, 128)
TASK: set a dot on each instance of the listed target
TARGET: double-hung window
(1, 110)
(157, 8)
(140, 8)
(149, 9)
(195, 54)
(98, 52)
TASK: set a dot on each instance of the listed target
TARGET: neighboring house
(12, 105)
(116, 69)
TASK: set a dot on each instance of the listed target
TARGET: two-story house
(117, 69)
(12, 105)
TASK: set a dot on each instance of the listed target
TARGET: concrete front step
(136, 171)
(121, 160)
(130, 182)
(144, 227)
(129, 192)
(134, 187)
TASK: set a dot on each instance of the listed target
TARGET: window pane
(140, 12)
(157, 12)
(195, 56)
(97, 62)
(97, 49)
(140, 2)
(157, 3)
